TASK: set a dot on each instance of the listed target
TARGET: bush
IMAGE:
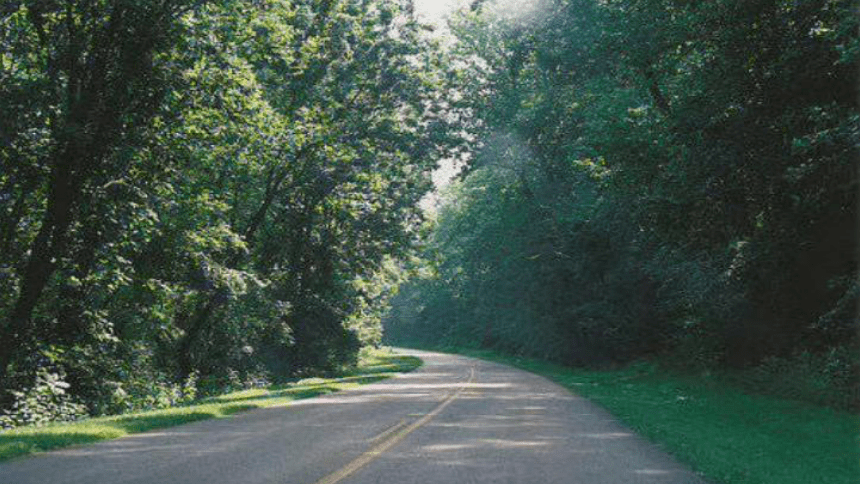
(234, 380)
(159, 392)
(829, 378)
(45, 402)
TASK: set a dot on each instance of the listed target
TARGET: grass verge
(724, 434)
(374, 367)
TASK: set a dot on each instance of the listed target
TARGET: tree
(229, 194)
(687, 186)
(97, 67)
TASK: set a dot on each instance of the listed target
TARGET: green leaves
(618, 148)
(202, 187)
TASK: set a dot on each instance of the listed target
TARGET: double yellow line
(391, 437)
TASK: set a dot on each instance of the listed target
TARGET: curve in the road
(454, 420)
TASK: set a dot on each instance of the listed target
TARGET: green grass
(724, 434)
(374, 367)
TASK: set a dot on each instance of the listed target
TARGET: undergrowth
(373, 366)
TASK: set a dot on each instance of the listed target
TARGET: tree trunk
(199, 323)
(47, 248)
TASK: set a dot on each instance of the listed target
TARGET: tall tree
(688, 185)
(97, 64)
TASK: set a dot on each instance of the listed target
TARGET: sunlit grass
(724, 434)
(374, 367)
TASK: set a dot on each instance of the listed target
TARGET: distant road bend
(454, 420)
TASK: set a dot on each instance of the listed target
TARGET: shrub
(829, 378)
(46, 401)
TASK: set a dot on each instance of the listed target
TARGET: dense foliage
(198, 193)
(652, 178)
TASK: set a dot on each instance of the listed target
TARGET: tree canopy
(196, 195)
(204, 190)
(651, 177)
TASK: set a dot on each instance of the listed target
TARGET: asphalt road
(454, 420)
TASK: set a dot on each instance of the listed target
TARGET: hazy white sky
(435, 10)
(521, 10)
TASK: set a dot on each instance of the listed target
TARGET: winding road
(454, 420)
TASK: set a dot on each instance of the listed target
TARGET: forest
(653, 180)
(199, 195)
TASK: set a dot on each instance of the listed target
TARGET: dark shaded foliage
(652, 178)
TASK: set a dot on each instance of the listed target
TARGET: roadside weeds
(29, 440)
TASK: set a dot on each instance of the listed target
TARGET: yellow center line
(389, 431)
(390, 438)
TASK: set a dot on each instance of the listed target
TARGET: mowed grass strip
(27, 440)
(724, 434)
